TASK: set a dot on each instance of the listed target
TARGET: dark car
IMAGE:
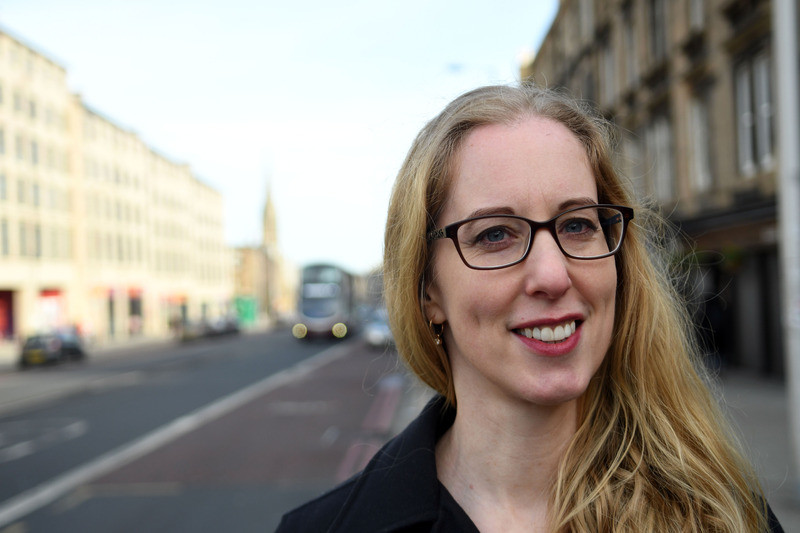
(50, 348)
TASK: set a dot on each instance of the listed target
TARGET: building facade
(689, 83)
(265, 284)
(97, 230)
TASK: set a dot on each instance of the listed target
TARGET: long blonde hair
(652, 451)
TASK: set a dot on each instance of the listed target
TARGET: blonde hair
(652, 451)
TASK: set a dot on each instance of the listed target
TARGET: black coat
(398, 491)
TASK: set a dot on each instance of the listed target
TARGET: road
(230, 433)
(224, 434)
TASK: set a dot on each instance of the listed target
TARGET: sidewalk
(759, 410)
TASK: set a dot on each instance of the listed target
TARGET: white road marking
(17, 451)
(47, 492)
(20, 439)
(329, 436)
(117, 380)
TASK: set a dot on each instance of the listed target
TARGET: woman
(520, 290)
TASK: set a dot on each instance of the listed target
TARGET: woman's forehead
(536, 164)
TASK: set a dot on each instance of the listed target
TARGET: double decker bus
(326, 303)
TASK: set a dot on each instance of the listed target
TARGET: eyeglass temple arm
(622, 216)
(614, 219)
(437, 234)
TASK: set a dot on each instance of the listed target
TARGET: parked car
(201, 329)
(51, 348)
(224, 325)
(192, 330)
(377, 332)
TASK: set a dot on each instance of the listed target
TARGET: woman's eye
(494, 235)
(577, 225)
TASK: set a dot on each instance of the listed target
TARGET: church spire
(269, 228)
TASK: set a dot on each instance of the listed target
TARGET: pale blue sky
(320, 99)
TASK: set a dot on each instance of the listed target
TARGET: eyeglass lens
(500, 240)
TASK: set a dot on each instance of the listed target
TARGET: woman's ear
(432, 303)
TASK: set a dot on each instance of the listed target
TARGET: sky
(315, 101)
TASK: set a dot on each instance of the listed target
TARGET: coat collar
(399, 485)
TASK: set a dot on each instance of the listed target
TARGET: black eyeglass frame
(451, 231)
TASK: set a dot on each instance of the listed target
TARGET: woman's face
(535, 168)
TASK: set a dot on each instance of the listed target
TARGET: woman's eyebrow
(576, 202)
(500, 210)
(506, 210)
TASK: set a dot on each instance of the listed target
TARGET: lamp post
(785, 43)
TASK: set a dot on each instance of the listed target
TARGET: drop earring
(437, 335)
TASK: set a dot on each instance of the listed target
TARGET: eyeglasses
(497, 241)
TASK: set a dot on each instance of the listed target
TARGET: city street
(193, 213)
(227, 433)
(230, 432)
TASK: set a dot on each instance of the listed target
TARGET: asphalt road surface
(222, 434)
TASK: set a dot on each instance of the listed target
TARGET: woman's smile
(551, 341)
(548, 333)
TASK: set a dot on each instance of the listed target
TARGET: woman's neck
(500, 462)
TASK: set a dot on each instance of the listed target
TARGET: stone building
(98, 231)
(689, 83)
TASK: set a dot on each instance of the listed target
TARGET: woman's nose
(546, 267)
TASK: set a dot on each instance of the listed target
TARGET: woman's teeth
(548, 334)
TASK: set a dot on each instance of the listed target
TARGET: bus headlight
(339, 330)
(299, 331)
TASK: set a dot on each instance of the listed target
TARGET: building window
(659, 157)
(697, 15)
(586, 16)
(2, 142)
(630, 51)
(66, 243)
(635, 161)
(95, 246)
(658, 29)
(754, 113)
(51, 243)
(588, 92)
(4, 249)
(37, 240)
(21, 191)
(34, 153)
(608, 74)
(23, 241)
(699, 139)
(35, 194)
(20, 148)
(52, 198)
(3, 187)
